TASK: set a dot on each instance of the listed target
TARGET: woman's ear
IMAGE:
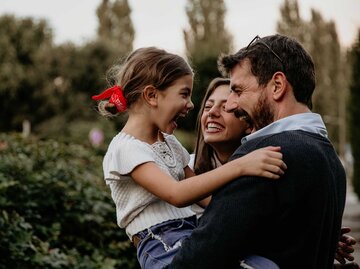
(150, 95)
(279, 86)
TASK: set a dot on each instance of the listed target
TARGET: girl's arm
(260, 161)
(268, 163)
(190, 173)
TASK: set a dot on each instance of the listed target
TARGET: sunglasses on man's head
(257, 39)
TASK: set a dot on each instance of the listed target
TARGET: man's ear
(279, 86)
(249, 130)
(150, 95)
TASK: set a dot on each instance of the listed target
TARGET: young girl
(144, 163)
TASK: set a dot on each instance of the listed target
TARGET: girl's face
(220, 128)
(174, 102)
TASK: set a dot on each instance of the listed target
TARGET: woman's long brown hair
(204, 152)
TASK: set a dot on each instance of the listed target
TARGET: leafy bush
(55, 210)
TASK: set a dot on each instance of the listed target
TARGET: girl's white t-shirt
(136, 208)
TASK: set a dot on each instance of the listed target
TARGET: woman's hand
(264, 162)
(345, 246)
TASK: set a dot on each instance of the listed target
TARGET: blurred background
(55, 210)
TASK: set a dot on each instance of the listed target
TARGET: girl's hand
(264, 162)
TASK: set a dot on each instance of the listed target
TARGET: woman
(219, 134)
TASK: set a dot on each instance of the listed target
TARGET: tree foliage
(22, 41)
(115, 25)
(320, 39)
(73, 74)
(291, 23)
(205, 40)
(51, 85)
(354, 109)
(207, 35)
(55, 209)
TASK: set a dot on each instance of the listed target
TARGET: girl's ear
(150, 95)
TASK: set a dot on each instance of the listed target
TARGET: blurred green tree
(50, 85)
(205, 40)
(73, 74)
(291, 23)
(115, 25)
(320, 38)
(354, 108)
(21, 88)
(326, 52)
(78, 72)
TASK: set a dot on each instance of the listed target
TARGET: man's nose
(230, 104)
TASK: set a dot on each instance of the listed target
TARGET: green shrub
(55, 210)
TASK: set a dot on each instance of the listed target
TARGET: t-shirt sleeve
(124, 157)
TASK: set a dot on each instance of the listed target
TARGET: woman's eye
(185, 94)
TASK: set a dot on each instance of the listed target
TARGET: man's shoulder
(285, 138)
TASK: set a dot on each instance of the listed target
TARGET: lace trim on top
(165, 153)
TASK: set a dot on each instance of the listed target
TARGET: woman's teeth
(214, 126)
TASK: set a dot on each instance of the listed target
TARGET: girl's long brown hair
(144, 66)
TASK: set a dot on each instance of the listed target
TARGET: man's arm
(230, 225)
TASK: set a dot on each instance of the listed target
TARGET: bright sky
(161, 22)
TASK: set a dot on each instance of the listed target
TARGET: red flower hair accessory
(116, 97)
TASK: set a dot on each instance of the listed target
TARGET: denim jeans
(257, 262)
(160, 243)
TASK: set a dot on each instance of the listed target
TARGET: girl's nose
(190, 105)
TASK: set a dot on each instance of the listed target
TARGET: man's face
(247, 98)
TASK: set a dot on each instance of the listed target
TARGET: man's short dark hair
(274, 53)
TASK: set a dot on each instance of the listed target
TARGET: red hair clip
(116, 97)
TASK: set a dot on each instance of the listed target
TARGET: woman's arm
(265, 162)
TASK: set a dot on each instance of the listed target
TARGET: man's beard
(263, 114)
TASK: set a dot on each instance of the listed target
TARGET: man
(294, 221)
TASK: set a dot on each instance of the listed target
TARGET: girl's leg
(257, 262)
(161, 242)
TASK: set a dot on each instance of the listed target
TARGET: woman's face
(220, 128)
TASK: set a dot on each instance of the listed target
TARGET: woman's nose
(214, 112)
